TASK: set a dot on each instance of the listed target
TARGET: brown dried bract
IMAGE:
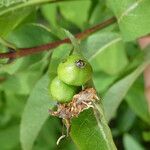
(81, 101)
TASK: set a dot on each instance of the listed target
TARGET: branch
(28, 51)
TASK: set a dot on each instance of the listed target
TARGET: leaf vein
(104, 47)
(129, 10)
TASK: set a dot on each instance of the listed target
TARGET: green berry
(75, 70)
(61, 91)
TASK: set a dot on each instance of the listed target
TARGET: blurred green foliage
(113, 53)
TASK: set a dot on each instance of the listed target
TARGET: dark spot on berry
(80, 63)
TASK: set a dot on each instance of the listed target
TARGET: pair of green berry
(73, 72)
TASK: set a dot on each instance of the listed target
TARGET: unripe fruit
(61, 91)
(75, 70)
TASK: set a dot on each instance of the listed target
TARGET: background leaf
(137, 101)
(124, 122)
(9, 138)
(130, 143)
(36, 110)
(10, 21)
(133, 17)
(104, 52)
(146, 136)
(65, 15)
(117, 92)
(72, 10)
(35, 113)
(28, 35)
(11, 13)
(24, 82)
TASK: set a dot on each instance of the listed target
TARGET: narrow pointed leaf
(116, 93)
(35, 113)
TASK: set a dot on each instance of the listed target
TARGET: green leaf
(107, 55)
(102, 81)
(9, 137)
(137, 101)
(73, 9)
(130, 143)
(5, 43)
(125, 120)
(74, 42)
(11, 20)
(146, 136)
(15, 103)
(117, 92)
(30, 35)
(11, 68)
(35, 113)
(26, 36)
(100, 13)
(36, 109)
(20, 83)
(93, 46)
(88, 132)
(11, 13)
(49, 12)
(15, 5)
(48, 135)
(133, 17)
(103, 136)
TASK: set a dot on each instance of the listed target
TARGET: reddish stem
(28, 51)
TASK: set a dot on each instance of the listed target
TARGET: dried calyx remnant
(80, 102)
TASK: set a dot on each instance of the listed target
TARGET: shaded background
(118, 55)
